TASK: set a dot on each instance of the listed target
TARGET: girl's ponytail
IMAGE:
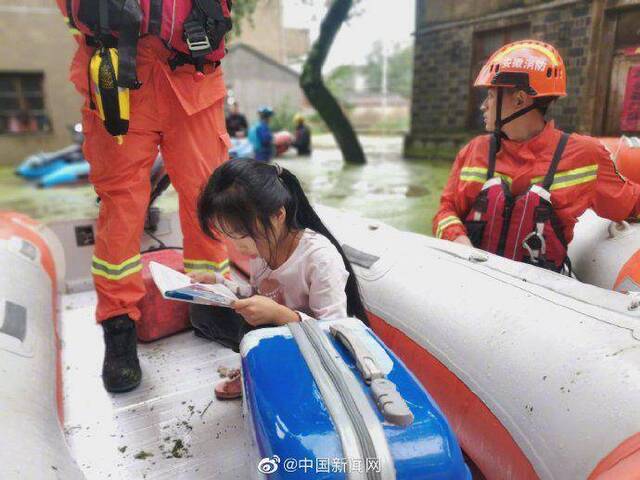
(242, 196)
(300, 214)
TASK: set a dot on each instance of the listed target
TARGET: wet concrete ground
(403, 193)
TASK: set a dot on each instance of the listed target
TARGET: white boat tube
(538, 373)
(606, 254)
(32, 444)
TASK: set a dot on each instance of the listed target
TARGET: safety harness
(120, 23)
(114, 27)
(204, 30)
(523, 227)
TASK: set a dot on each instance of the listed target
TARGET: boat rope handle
(618, 228)
(635, 300)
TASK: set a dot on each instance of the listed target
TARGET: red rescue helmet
(530, 65)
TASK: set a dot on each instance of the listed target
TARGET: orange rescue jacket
(586, 178)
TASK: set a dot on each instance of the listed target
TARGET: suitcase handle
(364, 360)
(385, 393)
(390, 403)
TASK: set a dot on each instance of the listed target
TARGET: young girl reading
(296, 265)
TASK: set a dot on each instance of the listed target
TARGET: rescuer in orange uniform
(180, 113)
(504, 193)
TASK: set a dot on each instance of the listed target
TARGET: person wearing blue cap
(261, 137)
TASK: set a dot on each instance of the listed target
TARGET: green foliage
(241, 10)
(399, 73)
(340, 80)
(399, 70)
(283, 117)
(373, 68)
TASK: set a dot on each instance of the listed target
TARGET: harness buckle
(197, 39)
(199, 44)
(535, 245)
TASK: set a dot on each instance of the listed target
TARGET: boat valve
(635, 301)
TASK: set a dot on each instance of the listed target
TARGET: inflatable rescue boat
(538, 374)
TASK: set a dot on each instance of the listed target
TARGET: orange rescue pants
(182, 118)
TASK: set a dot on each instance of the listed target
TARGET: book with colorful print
(174, 285)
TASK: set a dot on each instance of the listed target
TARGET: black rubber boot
(121, 368)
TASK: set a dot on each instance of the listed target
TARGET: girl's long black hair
(242, 195)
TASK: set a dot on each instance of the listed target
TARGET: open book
(176, 286)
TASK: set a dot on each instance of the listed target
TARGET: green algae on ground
(142, 455)
(178, 450)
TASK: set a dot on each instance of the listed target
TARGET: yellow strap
(222, 271)
(479, 175)
(206, 265)
(482, 170)
(113, 271)
(116, 266)
(445, 223)
(473, 177)
(586, 169)
(570, 178)
(111, 276)
(571, 183)
(567, 178)
(219, 264)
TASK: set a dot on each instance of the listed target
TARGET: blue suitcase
(328, 400)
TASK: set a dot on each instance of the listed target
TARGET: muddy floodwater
(403, 193)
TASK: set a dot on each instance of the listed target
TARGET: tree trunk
(319, 95)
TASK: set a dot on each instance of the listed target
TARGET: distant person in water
(302, 142)
(261, 137)
(237, 125)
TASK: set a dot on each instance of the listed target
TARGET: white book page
(208, 294)
(167, 278)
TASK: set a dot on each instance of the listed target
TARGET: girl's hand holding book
(259, 310)
(202, 277)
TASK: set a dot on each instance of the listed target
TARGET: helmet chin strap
(497, 130)
(494, 145)
(501, 122)
(519, 113)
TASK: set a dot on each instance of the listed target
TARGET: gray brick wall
(442, 71)
(441, 81)
(568, 30)
(37, 40)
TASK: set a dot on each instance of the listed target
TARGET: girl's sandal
(231, 388)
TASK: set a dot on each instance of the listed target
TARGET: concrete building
(599, 40)
(253, 79)
(38, 103)
(266, 33)
(257, 66)
(297, 44)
